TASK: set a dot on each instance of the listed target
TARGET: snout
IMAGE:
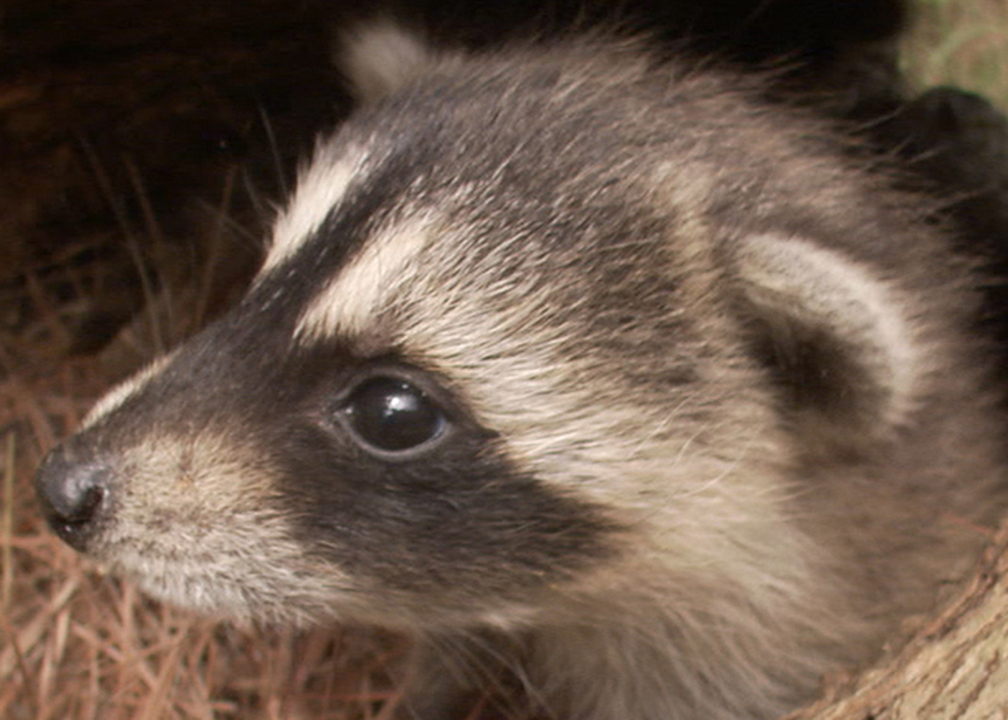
(73, 488)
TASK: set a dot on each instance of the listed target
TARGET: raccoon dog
(606, 380)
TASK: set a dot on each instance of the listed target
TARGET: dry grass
(77, 645)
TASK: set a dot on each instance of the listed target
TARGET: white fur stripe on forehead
(127, 388)
(353, 299)
(320, 189)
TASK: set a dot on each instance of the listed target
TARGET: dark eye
(393, 415)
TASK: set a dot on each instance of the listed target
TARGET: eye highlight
(393, 415)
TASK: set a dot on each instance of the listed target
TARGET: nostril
(72, 493)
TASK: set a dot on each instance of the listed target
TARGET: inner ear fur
(833, 332)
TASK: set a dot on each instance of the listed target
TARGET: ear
(380, 56)
(836, 333)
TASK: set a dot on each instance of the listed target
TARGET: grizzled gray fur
(609, 382)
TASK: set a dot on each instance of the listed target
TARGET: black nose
(73, 489)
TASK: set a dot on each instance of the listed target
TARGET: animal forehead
(526, 131)
(449, 262)
(350, 185)
(350, 302)
(456, 191)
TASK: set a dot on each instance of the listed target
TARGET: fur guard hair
(594, 372)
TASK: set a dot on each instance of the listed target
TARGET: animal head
(535, 326)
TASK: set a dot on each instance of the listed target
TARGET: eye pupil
(391, 414)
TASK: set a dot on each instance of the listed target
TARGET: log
(954, 668)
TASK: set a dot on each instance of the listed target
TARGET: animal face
(562, 338)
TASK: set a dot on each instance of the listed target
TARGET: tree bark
(954, 668)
